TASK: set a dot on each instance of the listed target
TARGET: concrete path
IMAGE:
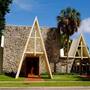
(46, 88)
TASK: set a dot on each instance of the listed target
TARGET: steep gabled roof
(73, 47)
(35, 46)
(79, 48)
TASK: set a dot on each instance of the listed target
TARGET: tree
(68, 22)
(4, 9)
(52, 47)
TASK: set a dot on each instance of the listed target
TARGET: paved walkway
(36, 81)
(47, 88)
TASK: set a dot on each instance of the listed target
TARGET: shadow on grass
(11, 74)
(56, 77)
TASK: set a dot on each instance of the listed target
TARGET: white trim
(21, 61)
(2, 41)
(61, 52)
(47, 63)
(44, 50)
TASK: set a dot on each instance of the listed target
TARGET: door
(32, 66)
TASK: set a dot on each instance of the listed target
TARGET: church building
(35, 50)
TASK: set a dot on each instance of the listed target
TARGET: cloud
(85, 26)
(25, 4)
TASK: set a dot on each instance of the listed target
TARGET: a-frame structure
(79, 48)
(35, 47)
(79, 54)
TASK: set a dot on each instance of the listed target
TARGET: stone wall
(15, 39)
(1, 59)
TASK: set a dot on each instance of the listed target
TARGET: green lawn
(49, 84)
(8, 78)
(58, 80)
(66, 77)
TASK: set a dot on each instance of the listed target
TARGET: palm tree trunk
(67, 54)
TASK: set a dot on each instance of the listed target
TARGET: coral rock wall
(15, 40)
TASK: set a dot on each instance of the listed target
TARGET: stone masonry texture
(15, 40)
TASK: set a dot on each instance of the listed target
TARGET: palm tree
(68, 22)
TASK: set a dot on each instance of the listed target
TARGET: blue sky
(23, 12)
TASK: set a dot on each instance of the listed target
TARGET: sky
(23, 12)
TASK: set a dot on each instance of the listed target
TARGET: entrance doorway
(31, 66)
(81, 66)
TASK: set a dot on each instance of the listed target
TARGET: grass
(58, 80)
(66, 77)
(46, 84)
(8, 78)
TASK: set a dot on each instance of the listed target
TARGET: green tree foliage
(68, 22)
(4, 8)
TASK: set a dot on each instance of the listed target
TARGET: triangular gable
(35, 45)
(73, 48)
(78, 48)
(82, 48)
